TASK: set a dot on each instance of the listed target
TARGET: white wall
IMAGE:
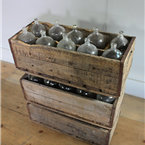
(108, 15)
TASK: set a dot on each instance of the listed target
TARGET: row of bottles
(69, 40)
(71, 89)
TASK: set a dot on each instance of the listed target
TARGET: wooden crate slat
(86, 132)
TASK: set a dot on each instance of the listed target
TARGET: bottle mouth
(74, 26)
(36, 20)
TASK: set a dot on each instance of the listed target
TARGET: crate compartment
(85, 109)
(91, 73)
(78, 129)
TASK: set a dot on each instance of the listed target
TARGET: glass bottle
(113, 52)
(26, 36)
(35, 79)
(97, 39)
(37, 27)
(66, 43)
(66, 88)
(86, 94)
(45, 40)
(105, 98)
(56, 31)
(121, 41)
(76, 35)
(50, 83)
(88, 48)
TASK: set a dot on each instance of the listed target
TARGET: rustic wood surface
(18, 129)
(92, 73)
(90, 110)
(75, 128)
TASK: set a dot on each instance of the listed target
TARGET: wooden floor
(18, 129)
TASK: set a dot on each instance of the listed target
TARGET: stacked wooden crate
(88, 119)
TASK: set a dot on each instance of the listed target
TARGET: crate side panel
(99, 74)
(82, 108)
(67, 125)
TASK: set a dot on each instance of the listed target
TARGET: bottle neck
(24, 29)
(65, 36)
(113, 46)
(120, 34)
(87, 41)
(56, 23)
(36, 21)
(96, 30)
(75, 28)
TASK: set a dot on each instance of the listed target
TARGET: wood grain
(86, 132)
(90, 110)
(92, 73)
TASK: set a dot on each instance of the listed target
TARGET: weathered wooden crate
(78, 129)
(72, 105)
(92, 73)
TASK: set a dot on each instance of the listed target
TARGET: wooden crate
(75, 106)
(78, 129)
(92, 73)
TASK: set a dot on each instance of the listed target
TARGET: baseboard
(6, 55)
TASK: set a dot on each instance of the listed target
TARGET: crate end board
(92, 73)
(78, 129)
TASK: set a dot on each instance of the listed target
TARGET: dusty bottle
(121, 41)
(113, 52)
(37, 27)
(66, 43)
(26, 36)
(35, 79)
(105, 98)
(50, 83)
(86, 94)
(76, 35)
(97, 39)
(56, 31)
(88, 48)
(66, 88)
(45, 40)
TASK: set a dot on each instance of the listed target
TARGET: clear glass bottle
(37, 27)
(66, 88)
(50, 83)
(66, 43)
(86, 94)
(97, 39)
(26, 36)
(76, 35)
(35, 79)
(105, 98)
(113, 52)
(121, 41)
(45, 40)
(56, 31)
(88, 48)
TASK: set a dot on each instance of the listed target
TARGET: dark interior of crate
(94, 96)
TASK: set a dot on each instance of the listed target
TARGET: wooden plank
(72, 70)
(125, 64)
(91, 110)
(67, 125)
